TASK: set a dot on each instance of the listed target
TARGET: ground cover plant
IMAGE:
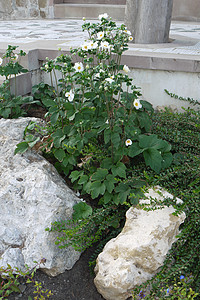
(11, 278)
(179, 277)
(111, 146)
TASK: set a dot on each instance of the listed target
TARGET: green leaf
(21, 147)
(164, 146)
(107, 197)
(29, 138)
(75, 175)
(122, 197)
(54, 117)
(119, 169)
(83, 179)
(122, 187)
(167, 160)
(134, 150)
(115, 139)
(31, 144)
(97, 188)
(148, 141)
(81, 211)
(144, 120)
(148, 106)
(58, 133)
(68, 106)
(109, 185)
(107, 163)
(30, 126)
(57, 141)
(48, 102)
(59, 154)
(72, 160)
(107, 136)
(90, 95)
(5, 112)
(100, 174)
(153, 159)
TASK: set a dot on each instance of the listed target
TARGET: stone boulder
(138, 252)
(32, 196)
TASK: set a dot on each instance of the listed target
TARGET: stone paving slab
(29, 34)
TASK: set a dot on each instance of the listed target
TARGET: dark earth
(75, 284)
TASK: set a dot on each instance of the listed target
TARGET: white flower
(79, 67)
(1, 61)
(107, 122)
(93, 45)
(86, 46)
(127, 31)
(105, 16)
(137, 104)
(46, 66)
(97, 75)
(100, 35)
(15, 57)
(110, 79)
(128, 142)
(126, 69)
(105, 45)
(70, 95)
(130, 38)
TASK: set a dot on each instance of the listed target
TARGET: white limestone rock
(138, 252)
(32, 196)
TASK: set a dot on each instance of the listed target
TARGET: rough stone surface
(22, 3)
(26, 9)
(32, 196)
(149, 20)
(6, 7)
(138, 252)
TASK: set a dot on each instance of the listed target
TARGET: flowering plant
(98, 124)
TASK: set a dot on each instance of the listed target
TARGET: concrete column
(149, 20)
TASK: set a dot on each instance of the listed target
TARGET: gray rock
(138, 252)
(32, 196)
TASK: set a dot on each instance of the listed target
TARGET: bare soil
(75, 284)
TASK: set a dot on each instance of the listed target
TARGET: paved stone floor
(185, 37)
